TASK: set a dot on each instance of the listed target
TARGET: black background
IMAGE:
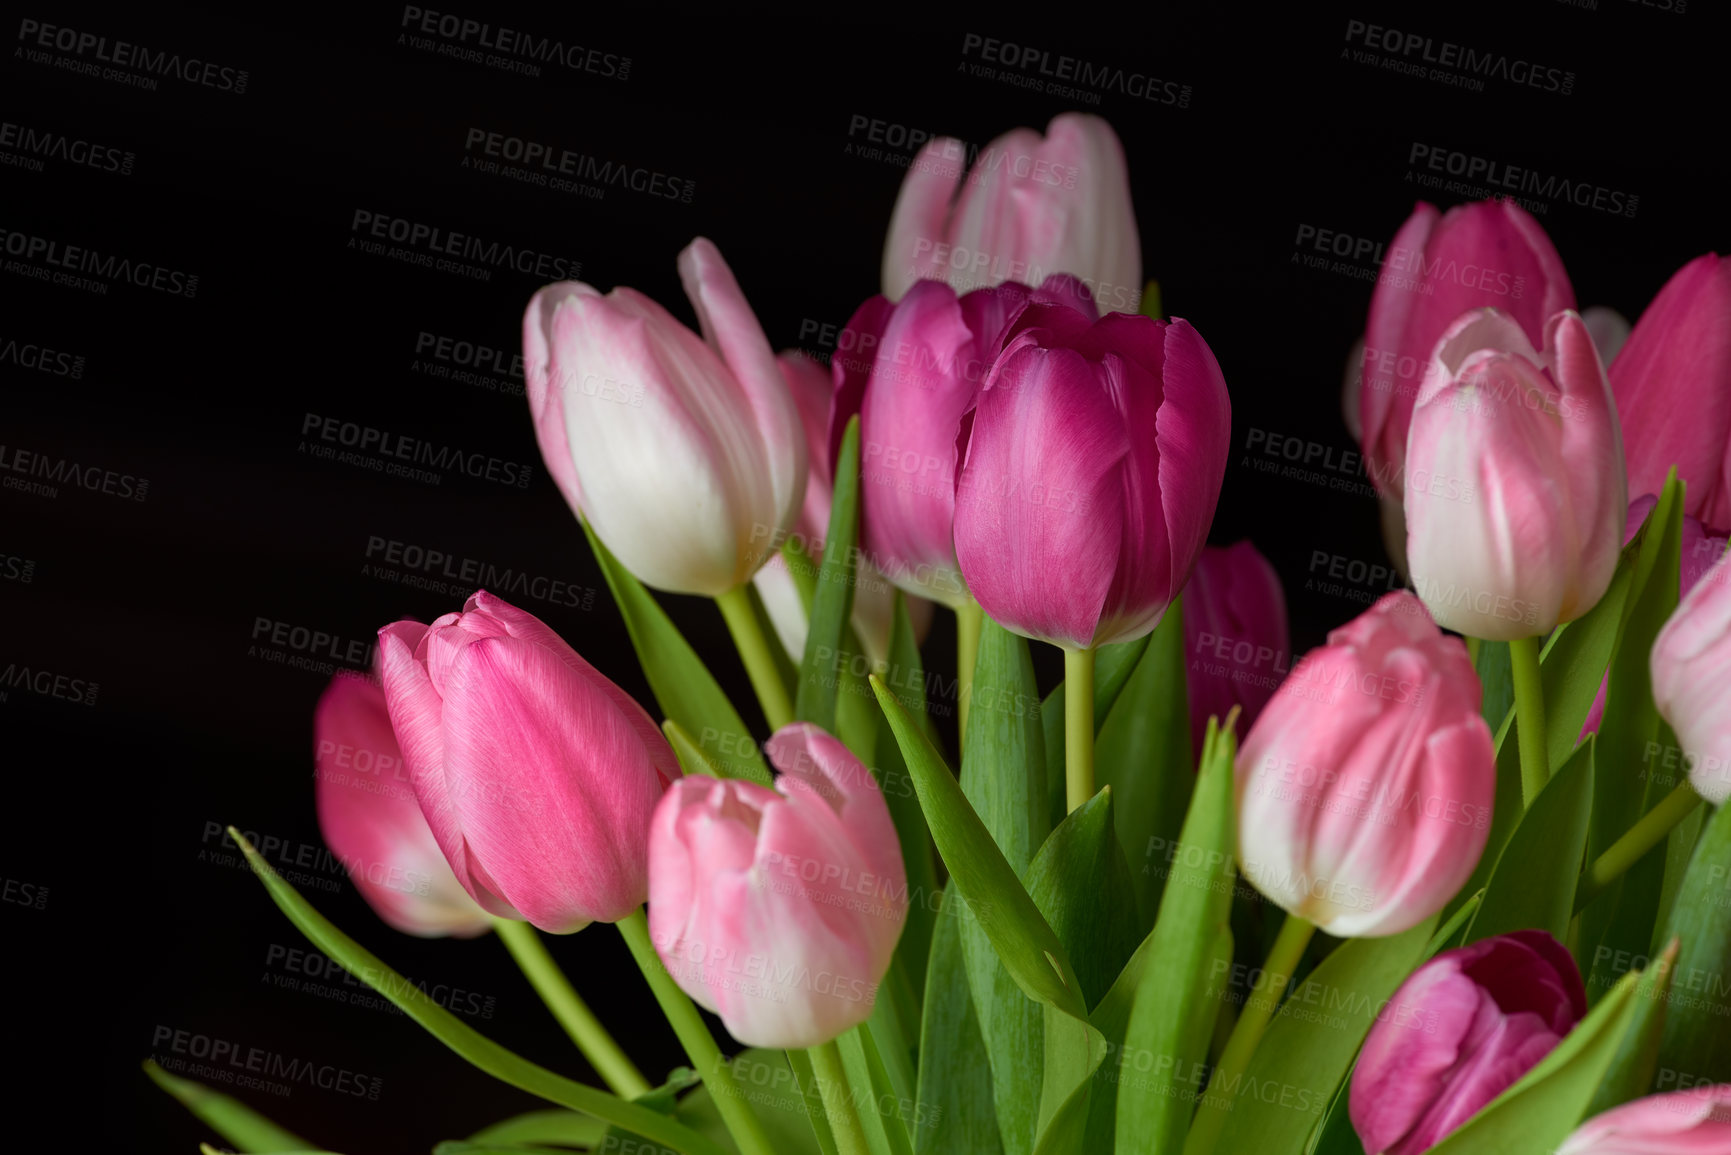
(156, 600)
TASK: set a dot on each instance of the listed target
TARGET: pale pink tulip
(371, 821)
(1092, 469)
(537, 775)
(780, 912)
(1027, 208)
(1696, 1121)
(1237, 649)
(1515, 495)
(1365, 788)
(1691, 668)
(684, 454)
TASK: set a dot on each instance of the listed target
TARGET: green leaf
(467, 1042)
(1178, 997)
(955, 1115)
(229, 1117)
(1637, 1058)
(1496, 675)
(905, 676)
(832, 602)
(1113, 665)
(1533, 884)
(1310, 1044)
(691, 759)
(664, 1100)
(869, 1087)
(817, 1122)
(1697, 1043)
(765, 1079)
(683, 687)
(566, 1128)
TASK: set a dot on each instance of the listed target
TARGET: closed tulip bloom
(1235, 634)
(1026, 209)
(537, 775)
(1486, 255)
(910, 370)
(371, 821)
(779, 910)
(1691, 668)
(1091, 473)
(1516, 497)
(684, 454)
(1365, 788)
(1459, 1032)
(1692, 1122)
(1672, 382)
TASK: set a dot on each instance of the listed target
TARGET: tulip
(1691, 669)
(1672, 382)
(370, 819)
(1515, 497)
(683, 454)
(910, 371)
(537, 775)
(1235, 632)
(1365, 788)
(1091, 474)
(779, 910)
(1459, 1032)
(1486, 255)
(1692, 1122)
(1027, 209)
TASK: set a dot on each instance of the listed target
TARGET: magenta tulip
(1486, 255)
(1365, 789)
(371, 821)
(537, 775)
(1515, 495)
(1691, 668)
(1459, 1032)
(1091, 474)
(684, 454)
(911, 370)
(780, 912)
(1235, 637)
(1027, 208)
(1672, 382)
(1696, 1121)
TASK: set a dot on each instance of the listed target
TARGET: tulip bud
(371, 821)
(1027, 209)
(1091, 474)
(684, 455)
(1672, 382)
(780, 912)
(1365, 789)
(537, 775)
(1696, 1121)
(1459, 1032)
(1515, 493)
(1486, 255)
(1235, 634)
(1691, 668)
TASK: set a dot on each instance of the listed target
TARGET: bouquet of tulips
(1462, 892)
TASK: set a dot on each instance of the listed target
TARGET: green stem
(1473, 647)
(1283, 959)
(970, 619)
(1078, 727)
(694, 1036)
(1530, 717)
(1624, 853)
(832, 1085)
(755, 652)
(610, 1062)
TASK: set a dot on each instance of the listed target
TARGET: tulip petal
(545, 384)
(922, 208)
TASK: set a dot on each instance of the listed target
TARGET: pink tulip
(1027, 209)
(1235, 635)
(1091, 474)
(537, 775)
(910, 370)
(1672, 382)
(1365, 789)
(371, 821)
(1459, 1032)
(779, 911)
(684, 455)
(1691, 668)
(1515, 495)
(1485, 255)
(1692, 1122)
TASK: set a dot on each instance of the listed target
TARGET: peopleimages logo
(1507, 179)
(35, 145)
(65, 471)
(1089, 79)
(29, 355)
(437, 242)
(367, 439)
(546, 164)
(37, 36)
(509, 49)
(1456, 64)
(56, 255)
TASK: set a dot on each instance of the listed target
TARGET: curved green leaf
(1697, 1042)
(955, 1115)
(832, 601)
(1533, 883)
(566, 1128)
(227, 1116)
